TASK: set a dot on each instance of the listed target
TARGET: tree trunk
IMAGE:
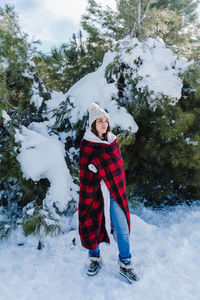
(139, 12)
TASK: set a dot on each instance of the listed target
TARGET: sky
(51, 21)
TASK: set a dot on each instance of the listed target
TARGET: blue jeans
(120, 224)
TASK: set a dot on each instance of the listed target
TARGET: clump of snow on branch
(6, 117)
(158, 70)
(42, 156)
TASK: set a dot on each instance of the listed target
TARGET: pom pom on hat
(95, 112)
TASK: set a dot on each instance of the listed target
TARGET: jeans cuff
(97, 254)
(126, 261)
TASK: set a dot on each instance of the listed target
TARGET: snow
(36, 99)
(6, 117)
(53, 104)
(56, 99)
(156, 68)
(28, 74)
(94, 88)
(190, 142)
(165, 249)
(42, 156)
(159, 69)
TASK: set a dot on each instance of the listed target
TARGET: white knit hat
(95, 112)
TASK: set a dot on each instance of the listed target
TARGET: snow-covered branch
(146, 10)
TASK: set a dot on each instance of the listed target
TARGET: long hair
(94, 130)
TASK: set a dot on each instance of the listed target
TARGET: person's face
(101, 125)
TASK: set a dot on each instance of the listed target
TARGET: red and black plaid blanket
(108, 160)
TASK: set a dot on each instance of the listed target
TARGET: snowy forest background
(139, 62)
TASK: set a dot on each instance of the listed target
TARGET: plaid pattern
(108, 160)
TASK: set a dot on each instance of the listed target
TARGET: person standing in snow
(103, 206)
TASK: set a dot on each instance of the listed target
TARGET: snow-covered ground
(165, 249)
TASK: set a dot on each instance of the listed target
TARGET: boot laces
(94, 264)
(131, 272)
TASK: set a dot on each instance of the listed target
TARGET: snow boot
(94, 266)
(128, 272)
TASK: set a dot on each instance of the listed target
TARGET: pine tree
(162, 166)
(133, 13)
(18, 78)
(68, 63)
(162, 163)
(176, 22)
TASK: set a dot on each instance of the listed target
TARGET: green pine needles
(41, 223)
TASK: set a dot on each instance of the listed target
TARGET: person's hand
(92, 168)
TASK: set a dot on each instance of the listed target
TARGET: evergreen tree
(18, 78)
(65, 65)
(133, 15)
(176, 22)
(102, 25)
(162, 166)
(14, 53)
